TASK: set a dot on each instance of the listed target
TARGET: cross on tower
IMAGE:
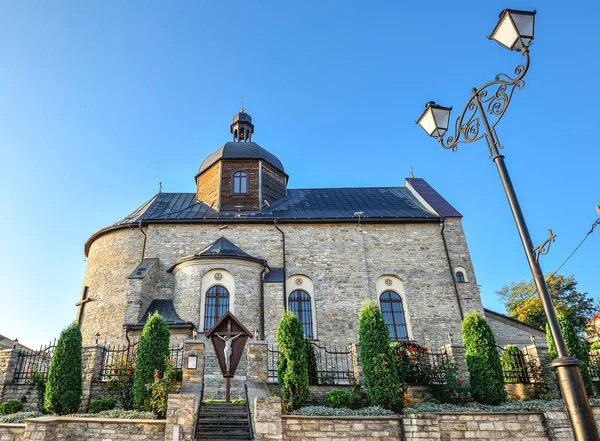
(81, 304)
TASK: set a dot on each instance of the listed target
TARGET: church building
(244, 242)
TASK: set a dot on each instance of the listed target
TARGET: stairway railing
(250, 425)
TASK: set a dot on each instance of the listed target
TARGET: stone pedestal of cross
(229, 338)
(81, 304)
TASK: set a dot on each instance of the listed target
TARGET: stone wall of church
(460, 257)
(111, 259)
(516, 334)
(343, 262)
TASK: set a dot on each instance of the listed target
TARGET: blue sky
(99, 101)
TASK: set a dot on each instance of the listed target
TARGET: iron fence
(29, 362)
(519, 366)
(121, 360)
(327, 365)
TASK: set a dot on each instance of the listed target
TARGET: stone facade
(507, 331)
(342, 261)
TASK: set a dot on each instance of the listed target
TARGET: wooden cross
(81, 304)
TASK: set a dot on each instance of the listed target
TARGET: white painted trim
(208, 281)
(307, 286)
(462, 270)
(397, 286)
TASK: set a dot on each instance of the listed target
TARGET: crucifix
(229, 338)
(81, 304)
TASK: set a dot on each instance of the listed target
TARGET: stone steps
(223, 422)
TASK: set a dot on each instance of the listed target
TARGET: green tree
(65, 382)
(483, 361)
(384, 387)
(575, 347)
(153, 349)
(292, 365)
(522, 301)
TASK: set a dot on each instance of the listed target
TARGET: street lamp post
(487, 105)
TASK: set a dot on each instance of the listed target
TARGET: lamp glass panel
(524, 24)
(427, 121)
(442, 117)
(506, 34)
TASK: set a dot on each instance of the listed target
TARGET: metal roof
(433, 198)
(166, 309)
(376, 204)
(225, 248)
(241, 150)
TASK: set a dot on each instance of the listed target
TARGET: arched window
(240, 182)
(300, 305)
(393, 315)
(215, 306)
(460, 277)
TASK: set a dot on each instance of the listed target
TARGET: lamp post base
(575, 397)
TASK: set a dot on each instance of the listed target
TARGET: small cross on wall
(81, 304)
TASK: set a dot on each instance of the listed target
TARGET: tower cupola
(242, 127)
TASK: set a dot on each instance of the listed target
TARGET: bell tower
(242, 127)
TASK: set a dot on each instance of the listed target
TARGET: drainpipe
(145, 239)
(261, 318)
(462, 316)
(284, 273)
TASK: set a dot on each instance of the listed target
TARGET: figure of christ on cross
(227, 350)
(81, 304)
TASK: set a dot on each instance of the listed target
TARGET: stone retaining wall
(550, 425)
(11, 432)
(62, 428)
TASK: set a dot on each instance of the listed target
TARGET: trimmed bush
(483, 361)
(339, 398)
(292, 366)
(575, 348)
(153, 350)
(65, 382)
(383, 384)
(159, 390)
(10, 406)
(102, 404)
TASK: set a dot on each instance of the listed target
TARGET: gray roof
(166, 309)
(224, 248)
(377, 204)
(433, 198)
(242, 150)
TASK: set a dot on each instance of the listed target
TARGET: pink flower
(414, 359)
(156, 375)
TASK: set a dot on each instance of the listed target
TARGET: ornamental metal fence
(29, 362)
(327, 365)
(420, 366)
(519, 365)
(121, 360)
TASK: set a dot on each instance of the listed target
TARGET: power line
(577, 247)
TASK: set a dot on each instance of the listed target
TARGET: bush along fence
(328, 365)
(29, 362)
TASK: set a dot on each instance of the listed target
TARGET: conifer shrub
(483, 360)
(160, 389)
(382, 381)
(575, 348)
(292, 365)
(153, 349)
(65, 382)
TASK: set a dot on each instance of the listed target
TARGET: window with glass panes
(392, 310)
(299, 304)
(215, 306)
